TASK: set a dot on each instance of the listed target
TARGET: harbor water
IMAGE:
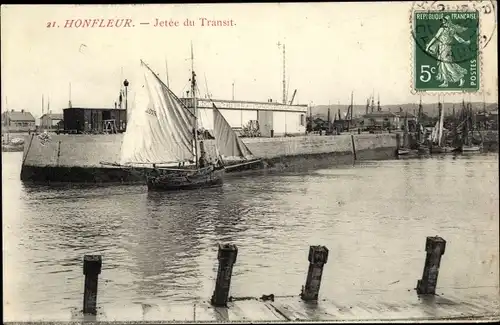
(162, 248)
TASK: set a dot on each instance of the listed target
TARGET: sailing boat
(437, 145)
(404, 149)
(163, 131)
(468, 133)
(421, 143)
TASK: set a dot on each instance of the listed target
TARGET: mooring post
(353, 147)
(398, 141)
(227, 257)
(318, 256)
(434, 246)
(91, 269)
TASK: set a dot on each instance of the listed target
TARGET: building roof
(53, 116)
(243, 105)
(96, 108)
(185, 99)
(19, 116)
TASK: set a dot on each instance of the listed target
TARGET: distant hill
(429, 109)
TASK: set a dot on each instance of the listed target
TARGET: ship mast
(284, 82)
(284, 74)
(195, 106)
(350, 111)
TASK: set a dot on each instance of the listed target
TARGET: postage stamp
(448, 42)
(446, 51)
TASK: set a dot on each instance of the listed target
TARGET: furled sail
(160, 129)
(229, 145)
(441, 126)
(434, 134)
(406, 140)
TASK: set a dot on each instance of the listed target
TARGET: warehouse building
(94, 120)
(50, 121)
(265, 119)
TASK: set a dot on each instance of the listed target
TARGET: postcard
(259, 162)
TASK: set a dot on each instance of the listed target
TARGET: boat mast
(284, 80)
(195, 106)
(350, 111)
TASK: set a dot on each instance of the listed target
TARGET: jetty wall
(91, 150)
(78, 158)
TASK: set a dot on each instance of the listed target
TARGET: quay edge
(77, 158)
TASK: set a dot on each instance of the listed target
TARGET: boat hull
(471, 148)
(423, 150)
(188, 180)
(403, 151)
(442, 149)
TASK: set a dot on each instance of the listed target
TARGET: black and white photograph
(250, 162)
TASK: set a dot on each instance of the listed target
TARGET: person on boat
(155, 172)
(218, 162)
(203, 162)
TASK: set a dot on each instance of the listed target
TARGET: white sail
(227, 142)
(441, 126)
(434, 134)
(160, 130)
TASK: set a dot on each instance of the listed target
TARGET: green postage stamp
(446, 55)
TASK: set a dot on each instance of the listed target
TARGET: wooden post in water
(353, 147)
(91, 269)
(434, 246)
(318, 256)
(227, 257)
(58, 152)
(398, 143)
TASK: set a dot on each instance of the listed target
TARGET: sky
(331, 50)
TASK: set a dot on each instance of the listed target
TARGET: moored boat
(437, 143)
(405, 149)
(162, 133)
(442, 149)
(469, 143)
(186, 179)
(470, 148)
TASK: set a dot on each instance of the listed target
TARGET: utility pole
(284, 74)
